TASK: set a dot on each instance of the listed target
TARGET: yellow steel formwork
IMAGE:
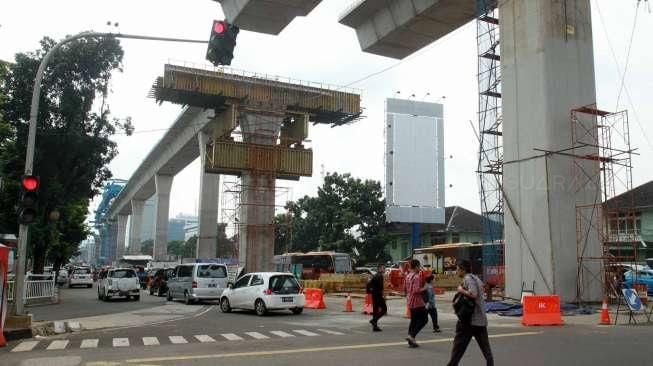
(324, 104)
(234, 157)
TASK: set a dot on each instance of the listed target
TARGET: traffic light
(28, 199)
(222, 43)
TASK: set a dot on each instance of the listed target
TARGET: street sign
(632, 299)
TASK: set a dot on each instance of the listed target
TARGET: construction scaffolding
(601, 153)
(490, 159)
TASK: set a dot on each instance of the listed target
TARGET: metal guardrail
(36, 287)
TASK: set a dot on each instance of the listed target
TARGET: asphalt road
(326, 337)
(79, 302)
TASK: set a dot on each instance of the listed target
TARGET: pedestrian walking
(375, 288)
(430, 305)
(476, 326)
(415, 302)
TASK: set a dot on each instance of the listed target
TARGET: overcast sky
(317, 48)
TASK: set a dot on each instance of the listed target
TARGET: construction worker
(379, 307)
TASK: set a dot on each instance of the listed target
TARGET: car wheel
(137, 298)
(297, 311)
(224, 305)
(90, 286)
(259, 307)
(187, 299)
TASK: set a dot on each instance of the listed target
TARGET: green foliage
(347, 213)
(225, 247)
(147, 247)
(183, 249)
(73, 146)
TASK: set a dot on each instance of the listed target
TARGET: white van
(197, 281)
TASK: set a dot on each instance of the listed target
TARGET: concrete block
(73, 326)
(59, 327)
(19, 321)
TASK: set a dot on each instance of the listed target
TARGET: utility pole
(31, 140)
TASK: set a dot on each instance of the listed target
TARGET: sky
(317, 48)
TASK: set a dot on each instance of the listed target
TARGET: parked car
(364, 271)
(119, 282)
(644, 276)
(197, 281)
(262, 292)
(81, 277)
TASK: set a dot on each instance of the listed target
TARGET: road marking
(232, 337)
(89, 343)
(305, 332)
(257, 335)
(150, 341)
(25, 346)
(204, 338)
(309, 350)
(121, 342)
(282, 334)
(60, 344)
(330, 332)
(177, 340)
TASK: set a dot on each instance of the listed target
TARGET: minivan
(197, 281)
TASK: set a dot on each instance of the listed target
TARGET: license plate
(286, 299)
(213, 285)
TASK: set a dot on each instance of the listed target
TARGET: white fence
(36, 287)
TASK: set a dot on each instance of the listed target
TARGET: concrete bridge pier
(163, 185)
(135, 226)
(257, 200)
(120, 236)
(208, 205)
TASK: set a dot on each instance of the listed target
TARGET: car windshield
(123, 273)
(211, 271)
(82, 271)
(284, 285)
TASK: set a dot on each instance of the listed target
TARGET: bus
(309, 266)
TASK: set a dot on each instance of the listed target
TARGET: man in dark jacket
(379, 307)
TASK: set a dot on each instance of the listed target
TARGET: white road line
(305, 332)
(89, 343)
(59, 344)
(330, 332)
(150, 341)
(232, 337)
(281, 334)
(177, 340)
(257, 335)
(25, 346)
(121, 342)
(204, 338)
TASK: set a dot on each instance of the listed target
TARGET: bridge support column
(120, 236)
(135, 227)
(208, 206)
(163, 185)
(256, 239)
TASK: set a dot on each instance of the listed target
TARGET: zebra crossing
(118, 342)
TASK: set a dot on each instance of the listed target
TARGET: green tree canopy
(347, 213)
(73, 145)
(147, 247)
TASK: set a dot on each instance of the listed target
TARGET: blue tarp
(515, 309)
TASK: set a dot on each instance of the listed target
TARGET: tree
(183, 249)
(73, 147)
(347, 213)
(225, 247)
(147, 247)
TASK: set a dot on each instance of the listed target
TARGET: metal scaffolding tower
(490, 160)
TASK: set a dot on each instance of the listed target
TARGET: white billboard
(414, 162)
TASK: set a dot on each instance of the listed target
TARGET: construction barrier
(314, 298)
(542, 310)
(367, 307)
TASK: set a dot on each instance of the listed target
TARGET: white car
(119, 282)
(262, 292)
(81, 277)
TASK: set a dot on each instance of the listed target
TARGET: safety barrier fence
(36, 287)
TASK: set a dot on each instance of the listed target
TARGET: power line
(630, 47)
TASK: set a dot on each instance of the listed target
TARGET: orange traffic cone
(348, 306)
(605, 315)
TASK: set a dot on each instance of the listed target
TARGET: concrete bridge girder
(265, 16)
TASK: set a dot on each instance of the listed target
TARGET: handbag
(463, 306)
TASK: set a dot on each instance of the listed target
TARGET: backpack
(464, 305)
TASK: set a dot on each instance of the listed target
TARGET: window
(211, 271)
(242, 282)
(184, 271)
(256, 280)
(455, 238)
(284, 285)
(122, 273)
(82, 271)
(625, 223)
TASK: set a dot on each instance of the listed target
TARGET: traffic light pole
(19, 293)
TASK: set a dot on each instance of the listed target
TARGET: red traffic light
(219, 27)
(30, 182)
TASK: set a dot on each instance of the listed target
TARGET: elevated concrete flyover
(265, 16)
(398, 28)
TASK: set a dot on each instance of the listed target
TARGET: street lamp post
(23, 229)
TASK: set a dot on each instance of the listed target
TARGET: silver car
(197, 281)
